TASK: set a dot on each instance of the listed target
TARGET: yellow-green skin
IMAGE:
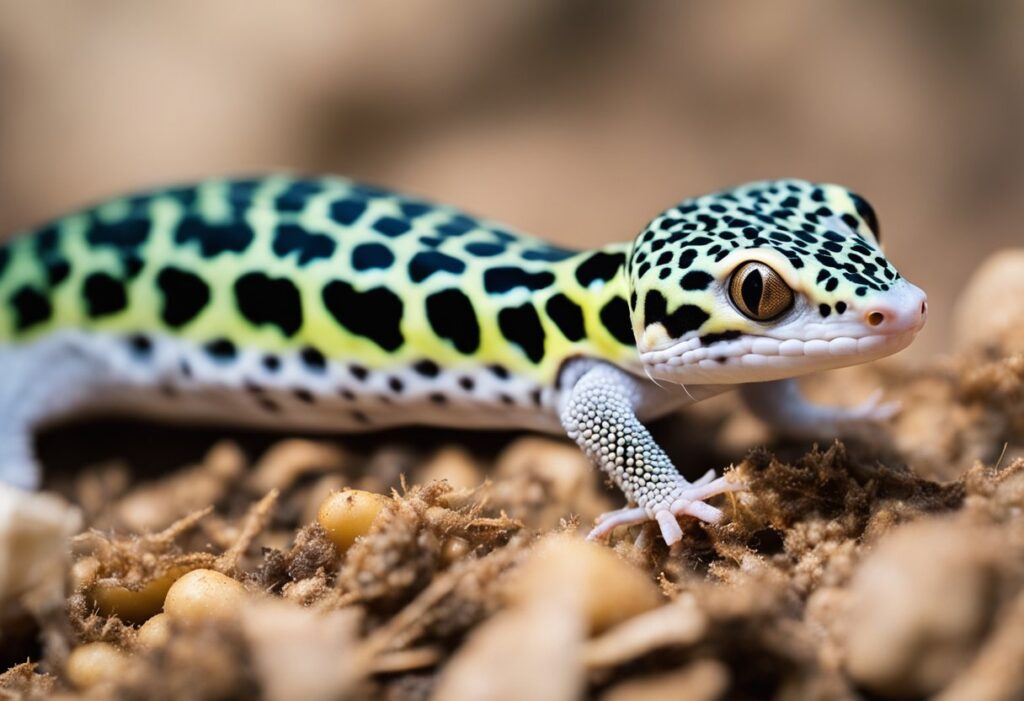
(43, 277)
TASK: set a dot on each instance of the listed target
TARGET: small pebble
(608, 589)
(989, 314)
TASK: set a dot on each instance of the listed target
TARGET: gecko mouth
(762, 346)
(760, 358)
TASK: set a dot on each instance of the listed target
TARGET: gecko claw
(610, 520)
(689, 502)
(670, 530)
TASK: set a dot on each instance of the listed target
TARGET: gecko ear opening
(759, 292)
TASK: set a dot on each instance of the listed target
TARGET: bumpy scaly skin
(601, 418)
(323, 304)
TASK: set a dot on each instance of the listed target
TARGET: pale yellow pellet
(349, 514)
(95, 663)
(134, 606)
(202, 595)
(155, 632)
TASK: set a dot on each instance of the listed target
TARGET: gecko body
(323, 304)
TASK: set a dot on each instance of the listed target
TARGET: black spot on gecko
(271, 363)
(310, 246)
(688, 317)
(57, 271)
(367, 256)
(125, 235)
(615, 317)
(427, 368)
(413, 209)
(141, 345)
(499, 371)
(467, 383)
(221, 350)
(347, 211)
(687, 257)
(295, 197)
(567, 315)
(549, 254)
(521, 326)
(485, 250)
(365, 190)
(104, 295)
(451, 315)
(655, 307)
(840, 307)
(536, 397)
(313, 359)
(711, 338)
(31, 307)
(391, 226)
(396, 385)
(241, 194)
(438, 398)
(460, 224)
(303, 395)
(375, 314)
(214, 239)
(506, 278)
(599, 266)
(132, 265)
(867, 213)
(824, 310)
(696, 280)
(46, 241)
(266, 300)
(426, 263)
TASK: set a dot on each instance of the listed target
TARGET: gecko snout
(905, 311)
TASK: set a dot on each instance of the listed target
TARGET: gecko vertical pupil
(751, 290)
(759, 292)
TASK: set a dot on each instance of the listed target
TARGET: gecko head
(769, 280)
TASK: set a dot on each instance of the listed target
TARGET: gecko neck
(595, 281)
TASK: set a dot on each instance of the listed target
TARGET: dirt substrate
(889, 564)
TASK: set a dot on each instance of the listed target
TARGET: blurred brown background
(575, 120)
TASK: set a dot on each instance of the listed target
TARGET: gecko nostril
(875, 318)
(924, 308)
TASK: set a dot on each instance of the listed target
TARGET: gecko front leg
(600, 415)
(781, 405)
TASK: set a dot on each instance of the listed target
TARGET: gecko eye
(759, 292)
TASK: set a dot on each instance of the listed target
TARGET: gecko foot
(688, 502)
(873, 409)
